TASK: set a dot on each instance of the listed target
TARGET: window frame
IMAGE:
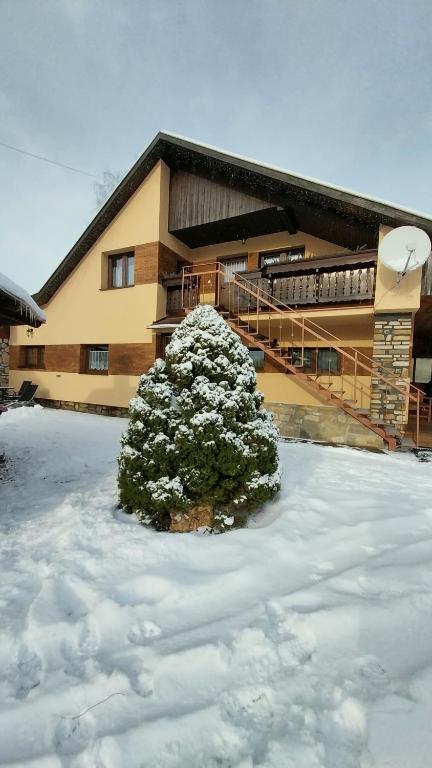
(312, 356)
(40, 355)
(259, 367)
(86, 360)
(124, 256)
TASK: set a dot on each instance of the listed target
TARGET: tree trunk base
(193, 518)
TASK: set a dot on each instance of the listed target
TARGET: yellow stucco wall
(80, 387)
(282, 388)
(390, 297)
(81, 313)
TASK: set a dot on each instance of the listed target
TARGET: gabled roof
(349, 217)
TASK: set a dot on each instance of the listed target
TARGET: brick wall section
(130, 359)
(63, 357)
(253, 260)
(168, 261)
(146, 263)
(393, 335)
(14, 355)
(153, 262)
(124, 359)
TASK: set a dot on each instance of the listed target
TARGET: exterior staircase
(248, 306)
(282, 359)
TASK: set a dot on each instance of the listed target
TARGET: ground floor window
(328, 361)
(422, 370)
(97, 358)
(32, 357)
(317, 359)
(257, 356)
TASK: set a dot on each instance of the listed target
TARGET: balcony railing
(323, 281)
(340, 285)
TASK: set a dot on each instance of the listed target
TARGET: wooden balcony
(331, 280)
(339, 279)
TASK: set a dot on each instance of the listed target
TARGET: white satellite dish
(404, 249)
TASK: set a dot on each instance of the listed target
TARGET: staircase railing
(304, 331)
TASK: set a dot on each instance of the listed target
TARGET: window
(306, 360)
(97, 358)
(322, 360)
(257, 356)
(423, 370)
(239, 264)
(282, 257)
(32, 357)
(121, 268)
(328, 361)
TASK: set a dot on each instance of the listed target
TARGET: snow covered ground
(304, 641)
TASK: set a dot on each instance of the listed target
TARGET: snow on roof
(278, 169)
(27, 305)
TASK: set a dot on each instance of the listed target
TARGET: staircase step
(361, 411)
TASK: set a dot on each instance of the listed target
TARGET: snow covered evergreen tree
(198, 434)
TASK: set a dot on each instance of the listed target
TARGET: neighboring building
(16, 308)
(193, 224)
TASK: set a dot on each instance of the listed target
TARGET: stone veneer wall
(324, 424)
(391, 350)
(70, 405)
(4, 362)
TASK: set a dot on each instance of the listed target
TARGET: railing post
(302, 342)
(355, 376)
(417, 419)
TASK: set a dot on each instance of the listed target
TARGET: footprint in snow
(77, 653)
(73, 735)
(144, 632)
(251, 707)
(27, 674)
(133, 667)
(296, 642)
(369, 678)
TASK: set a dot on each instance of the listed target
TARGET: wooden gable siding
(195, 200)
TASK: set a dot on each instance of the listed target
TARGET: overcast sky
(335, 89)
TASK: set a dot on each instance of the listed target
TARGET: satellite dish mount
(403, 250)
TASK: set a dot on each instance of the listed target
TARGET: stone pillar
(4, 357)
(393, 334)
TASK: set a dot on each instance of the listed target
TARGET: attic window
(121, 269)
(286, 256)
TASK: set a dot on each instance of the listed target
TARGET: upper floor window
(286, 256)
(231, 266)
(32, 357)
(121, 268)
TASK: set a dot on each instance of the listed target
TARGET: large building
(341, 350)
